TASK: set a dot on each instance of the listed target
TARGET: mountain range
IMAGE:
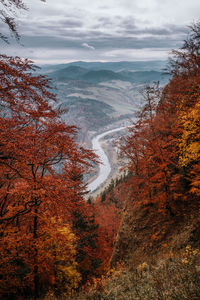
(96, 76)
(157, 65)
(97, 94)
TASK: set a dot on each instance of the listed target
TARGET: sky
(61, 31)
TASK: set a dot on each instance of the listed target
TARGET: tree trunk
(36, 276)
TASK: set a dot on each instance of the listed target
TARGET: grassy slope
(151, 259)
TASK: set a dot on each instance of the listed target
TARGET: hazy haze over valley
(102, 94)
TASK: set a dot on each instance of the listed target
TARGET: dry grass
(173, 280)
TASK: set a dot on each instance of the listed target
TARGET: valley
(99, 97)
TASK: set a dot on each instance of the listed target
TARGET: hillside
(155, 257)
(100, 76)
(110, 92)
(68, 73)
(157, 250)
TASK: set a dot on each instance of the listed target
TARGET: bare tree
(8, 9)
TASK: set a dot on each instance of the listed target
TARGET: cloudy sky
(102, 30)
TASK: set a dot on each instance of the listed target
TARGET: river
(105, 167)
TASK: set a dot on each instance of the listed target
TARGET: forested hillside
(156, 254)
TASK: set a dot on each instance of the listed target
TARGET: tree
(186, 61)
(8, 10)
(152, 153)
(184, 92)
(89, 244)
(34, 142)
(163, 146)
(41, 185)
(56, 257)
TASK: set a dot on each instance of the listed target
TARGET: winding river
(104, 168)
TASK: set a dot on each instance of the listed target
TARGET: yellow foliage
(57, 253)
(190, 255)
(56, 257)
(143, 267)
(59, 243)
(189, 145)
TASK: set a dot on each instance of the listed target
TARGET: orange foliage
(42, 171)
(162, 147)
(108, 216)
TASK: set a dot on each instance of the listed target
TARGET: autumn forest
(53, 242)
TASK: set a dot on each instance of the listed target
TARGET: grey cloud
(50, 27)
(135, 43)
(129, 22)
(70, 23)
(108, 22)
(100, 41)
(178, 28)
(108, 26)
(168, 31)
(51, 42)
(105, 21)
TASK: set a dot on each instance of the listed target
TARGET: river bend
(105, 167)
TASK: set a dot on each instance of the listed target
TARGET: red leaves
(163, 146)
(42, 171)
(152, 151)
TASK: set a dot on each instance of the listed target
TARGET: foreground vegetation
(171, 280)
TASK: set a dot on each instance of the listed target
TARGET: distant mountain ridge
(73, 72)
(99, 94)
(156, 65)
(67, 73)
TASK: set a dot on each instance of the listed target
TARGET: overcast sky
(102, 30)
